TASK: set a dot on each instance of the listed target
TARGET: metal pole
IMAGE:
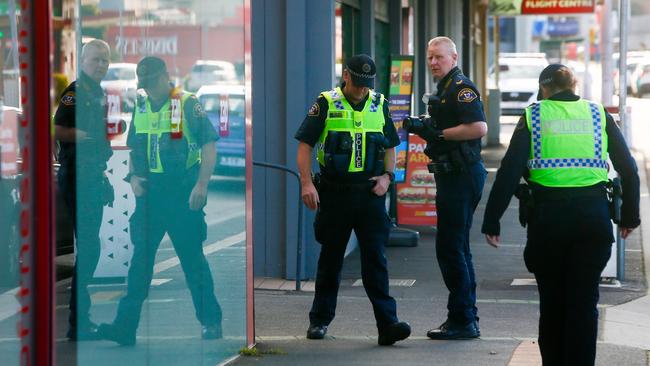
(300, 216)
(624, 10)
(622, 66)
(495, 37)
(586, 82)
(606, 54)
(299, 239)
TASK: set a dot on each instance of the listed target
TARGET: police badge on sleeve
(314, 110)
(466, 95)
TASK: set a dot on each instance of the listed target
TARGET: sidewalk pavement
(509, 313)
(629, 323)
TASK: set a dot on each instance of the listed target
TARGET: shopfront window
(152, 154)
(11, 140)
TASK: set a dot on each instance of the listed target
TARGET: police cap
(362, 69)
(546, 77)
(148, 69)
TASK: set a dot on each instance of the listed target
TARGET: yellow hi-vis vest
(568, 143)
(342, 118)
(155, 124)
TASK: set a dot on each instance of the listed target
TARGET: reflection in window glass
(11, 139)
(157, 184)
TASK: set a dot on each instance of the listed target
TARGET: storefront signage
(565, 28)
(400, 95)
(416, 197)
(146, 46)
(524, 7)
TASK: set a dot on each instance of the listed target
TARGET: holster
(526, 203)
(451, 162)
(442, 168)
(614, 198)
(455, 160)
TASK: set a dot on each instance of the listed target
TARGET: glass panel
(11, 139)
(160, 215)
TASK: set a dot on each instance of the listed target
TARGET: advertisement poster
(416, 197)
(400, 94)
(524, 7)
(9, 142)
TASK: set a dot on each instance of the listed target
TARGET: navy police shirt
(314, 124)
(460, 102)
(82, 105)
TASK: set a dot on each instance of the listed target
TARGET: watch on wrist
(391, 176)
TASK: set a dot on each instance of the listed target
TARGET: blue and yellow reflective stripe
(536, 132)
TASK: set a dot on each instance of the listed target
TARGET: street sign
(527, 7)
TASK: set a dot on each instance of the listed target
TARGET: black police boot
(316, 331)
(116, 334)
(211, 331)
(394, 333)
(85, 331)
(451, 330)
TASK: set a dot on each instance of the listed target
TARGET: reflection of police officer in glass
(564, 161)
(355, 139)
(455, 151)
(80, 128)
(172, 158)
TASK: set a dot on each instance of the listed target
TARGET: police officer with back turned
(560, 147)
(453, 134)
(355, 139)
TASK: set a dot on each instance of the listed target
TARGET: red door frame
(37, 229)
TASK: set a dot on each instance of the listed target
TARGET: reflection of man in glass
(173, 154)
(81, 132)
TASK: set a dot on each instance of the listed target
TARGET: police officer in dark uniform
(172, 158)
(564, 161)
(355, 138)
(80, 129)
(454, 146)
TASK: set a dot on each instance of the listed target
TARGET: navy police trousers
(569, 244)
(457, 196)
(340, 213)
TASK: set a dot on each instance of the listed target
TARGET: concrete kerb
(629, 324)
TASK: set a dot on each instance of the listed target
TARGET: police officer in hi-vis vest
(355, 138)
(560, 146)
(172, 157)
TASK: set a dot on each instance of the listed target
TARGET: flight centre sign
(530, 7)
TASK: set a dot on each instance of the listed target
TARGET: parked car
(225, 106)
(518, 80)
(122, 80)
(633, 59)
(210, 72)
(641, 77)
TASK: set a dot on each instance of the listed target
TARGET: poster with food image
(422, 178)
(400, 95)
(416, 196)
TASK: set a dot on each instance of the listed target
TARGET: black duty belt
(327, 186)
(561, 194)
